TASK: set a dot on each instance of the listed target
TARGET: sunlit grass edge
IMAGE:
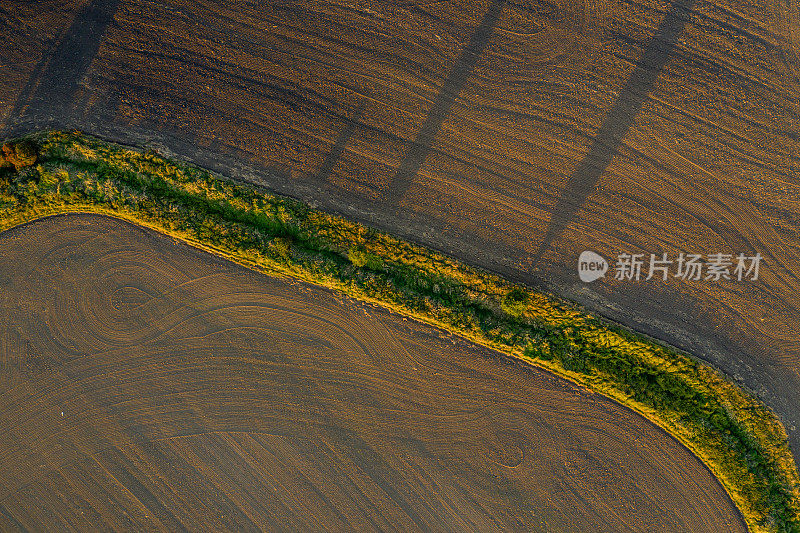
(739, 438)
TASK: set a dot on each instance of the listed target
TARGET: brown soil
(511, 134)
(148, 385)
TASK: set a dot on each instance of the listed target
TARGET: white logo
(591, 266)
(687, 266)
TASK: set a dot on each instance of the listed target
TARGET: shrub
(362, 258)
(19, 154)
(281, 248)
(515, 302)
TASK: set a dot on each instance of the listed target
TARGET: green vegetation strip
(738, 437)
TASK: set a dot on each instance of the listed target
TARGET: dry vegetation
(736, 436)
(17, 155)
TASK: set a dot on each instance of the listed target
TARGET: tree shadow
(326, 168)
(617, 122)
(57, 76)
(452, 86)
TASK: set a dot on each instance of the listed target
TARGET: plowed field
(147, 385)
(511, 134)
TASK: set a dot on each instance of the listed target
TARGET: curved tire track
(277, 406)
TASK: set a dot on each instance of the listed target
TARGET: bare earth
(511, 134)
(148, 385)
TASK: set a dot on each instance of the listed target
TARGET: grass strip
(739, 438)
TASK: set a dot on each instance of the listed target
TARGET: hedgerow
(737, 436)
